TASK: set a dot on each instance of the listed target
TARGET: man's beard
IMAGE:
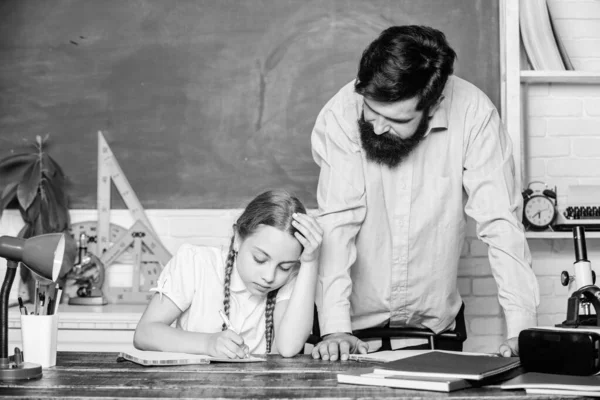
(389, 149)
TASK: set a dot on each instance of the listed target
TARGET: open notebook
(156, 358)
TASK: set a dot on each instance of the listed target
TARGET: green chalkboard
(204, 103)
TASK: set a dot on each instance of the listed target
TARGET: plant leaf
(54, 172)
(13, 167)
(8, 195)
(48, 168)
(28, 188)
(59, 194)
(9, 187)
(54, 210)
(26, 232)
(30, 214)
(15, 159)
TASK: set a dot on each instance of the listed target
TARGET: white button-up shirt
(393, 236)
(193, 279)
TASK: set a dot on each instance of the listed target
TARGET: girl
(265, 283)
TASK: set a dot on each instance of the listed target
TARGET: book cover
(538, 380)
(452, 365)
(157, 358)
(367, 376)
(387, 355)
(588, 393)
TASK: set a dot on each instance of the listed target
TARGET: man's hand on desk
(509, 348)
(339, 345)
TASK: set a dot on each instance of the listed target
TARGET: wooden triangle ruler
(149, 256)
(147, 247)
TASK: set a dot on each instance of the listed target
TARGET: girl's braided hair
(272, 208)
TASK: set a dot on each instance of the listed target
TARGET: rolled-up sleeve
(494, 202)
(342, 209)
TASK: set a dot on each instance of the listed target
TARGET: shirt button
(402, 185)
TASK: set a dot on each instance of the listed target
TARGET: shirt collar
(237, 284)
(439, 120)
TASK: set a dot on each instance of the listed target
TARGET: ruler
(149, 255)
(90, 228)
(110, 170)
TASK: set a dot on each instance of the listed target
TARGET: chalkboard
(204, 103)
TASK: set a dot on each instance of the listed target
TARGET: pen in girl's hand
(230, 327)
(226, 320)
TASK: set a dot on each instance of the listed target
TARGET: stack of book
(566, 385)
(435, 370)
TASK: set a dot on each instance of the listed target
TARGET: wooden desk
(98, 375)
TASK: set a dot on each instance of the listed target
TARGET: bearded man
(406, 151)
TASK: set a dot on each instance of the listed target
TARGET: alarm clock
(539, 207)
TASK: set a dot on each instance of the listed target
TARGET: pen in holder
(39, 334)
(39, 330)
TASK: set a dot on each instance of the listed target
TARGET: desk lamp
(46, 256)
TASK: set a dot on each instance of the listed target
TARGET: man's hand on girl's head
(339, 346)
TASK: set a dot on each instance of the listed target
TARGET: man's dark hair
(404, 62)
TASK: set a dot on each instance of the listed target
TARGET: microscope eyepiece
(579, 241)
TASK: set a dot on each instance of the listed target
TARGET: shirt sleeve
(177, 280)
(494, 203)
(342, 209)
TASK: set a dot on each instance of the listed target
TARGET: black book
(451, 365)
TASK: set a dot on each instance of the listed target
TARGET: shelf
(577, 77)
(560, 235)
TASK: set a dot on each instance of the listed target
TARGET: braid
(226, 285)
(269, 318)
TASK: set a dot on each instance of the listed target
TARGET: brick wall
(577, 23)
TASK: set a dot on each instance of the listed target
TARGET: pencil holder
(39, 334)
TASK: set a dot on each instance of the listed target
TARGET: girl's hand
(310, 236)
(227, 344)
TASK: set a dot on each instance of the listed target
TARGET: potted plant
(34, 183)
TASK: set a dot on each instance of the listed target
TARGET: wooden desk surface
(98, 375)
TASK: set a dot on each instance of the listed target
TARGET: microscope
(573, 346)
(88, 275)
(578, 306)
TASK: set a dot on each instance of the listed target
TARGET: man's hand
(509, 348)
(339, 345)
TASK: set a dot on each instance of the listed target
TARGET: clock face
(539, 211)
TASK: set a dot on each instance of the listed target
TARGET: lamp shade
(43, 254)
